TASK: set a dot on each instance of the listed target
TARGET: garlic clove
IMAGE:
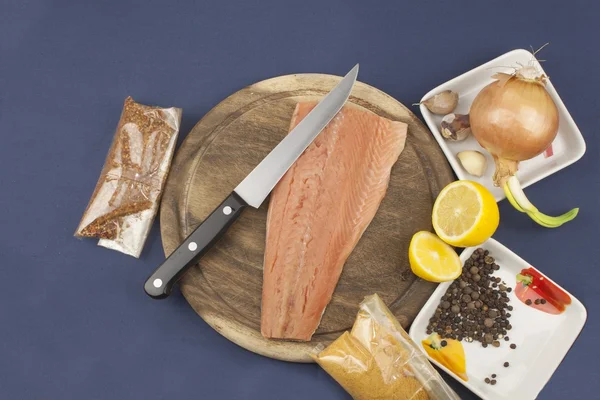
(473, 162)
(455, 127)
(442, 103)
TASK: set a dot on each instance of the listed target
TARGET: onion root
(516, 197)
(504, 170)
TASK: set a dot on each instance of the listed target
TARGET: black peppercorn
(473, 308)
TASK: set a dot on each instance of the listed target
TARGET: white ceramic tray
(568, 146)
(542, 339)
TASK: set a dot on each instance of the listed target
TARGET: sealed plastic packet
(125, 200)
(379, 361)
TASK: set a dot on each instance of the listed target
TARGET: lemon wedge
(432, 259)
(465, 214)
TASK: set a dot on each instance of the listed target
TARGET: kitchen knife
(252, 191)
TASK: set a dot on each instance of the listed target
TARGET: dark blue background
(74, 321)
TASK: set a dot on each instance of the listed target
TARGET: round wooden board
(225, 289)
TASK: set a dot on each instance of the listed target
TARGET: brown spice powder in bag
(125, 200)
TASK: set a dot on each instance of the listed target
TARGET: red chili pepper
(532, 286)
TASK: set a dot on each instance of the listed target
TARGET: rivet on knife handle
(160, 283)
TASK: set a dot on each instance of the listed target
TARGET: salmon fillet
(317, 213)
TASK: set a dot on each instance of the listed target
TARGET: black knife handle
(160, 283)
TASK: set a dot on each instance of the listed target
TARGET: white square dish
(542, 339)
(568, 146)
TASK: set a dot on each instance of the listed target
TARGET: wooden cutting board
(225, 289)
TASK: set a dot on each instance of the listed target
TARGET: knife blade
(252, 191)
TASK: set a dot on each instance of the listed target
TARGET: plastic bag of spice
(125, 200)
(378, 360)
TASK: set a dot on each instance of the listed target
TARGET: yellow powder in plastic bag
(379, 361)
(389, 355)
(359, 373)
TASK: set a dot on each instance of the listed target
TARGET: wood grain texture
(225, 289)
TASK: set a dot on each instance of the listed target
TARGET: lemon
(465, 214)
(432, 259)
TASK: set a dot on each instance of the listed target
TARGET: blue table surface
(74, 320)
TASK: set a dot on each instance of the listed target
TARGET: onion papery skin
(515, 119)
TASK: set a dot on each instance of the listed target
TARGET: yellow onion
(515, 119)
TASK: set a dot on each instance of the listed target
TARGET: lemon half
(432, 259)
(465, 214)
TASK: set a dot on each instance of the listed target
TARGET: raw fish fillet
(318, 212)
